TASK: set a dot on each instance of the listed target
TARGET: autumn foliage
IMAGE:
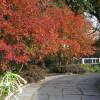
(36, 28)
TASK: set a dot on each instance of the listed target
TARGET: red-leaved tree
(33, 29)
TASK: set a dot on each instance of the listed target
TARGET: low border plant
(10, 84)
(91, 68)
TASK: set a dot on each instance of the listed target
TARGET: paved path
(64, 87)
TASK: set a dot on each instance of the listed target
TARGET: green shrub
(71, 68)
(33, 73)
(91, 68)
(50, 61)
(75, 68)
(97, 69)
(60, 69)
(87, 67)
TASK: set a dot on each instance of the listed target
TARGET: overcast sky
(93, 19)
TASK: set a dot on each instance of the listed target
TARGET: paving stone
(49, 85)
(87, 87)
(65, 97)
(40, 97)
(65, 87)
(50, 91)
(71, 91)
(28, 93)
(21, 98)
(91, 98)
(91, 92)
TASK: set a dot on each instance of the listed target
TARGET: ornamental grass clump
(10, 84)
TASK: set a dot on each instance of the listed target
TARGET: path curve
(63, 87)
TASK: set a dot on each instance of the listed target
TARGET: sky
(95, 24)
(92, 19)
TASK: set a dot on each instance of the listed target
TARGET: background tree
(90, 6)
